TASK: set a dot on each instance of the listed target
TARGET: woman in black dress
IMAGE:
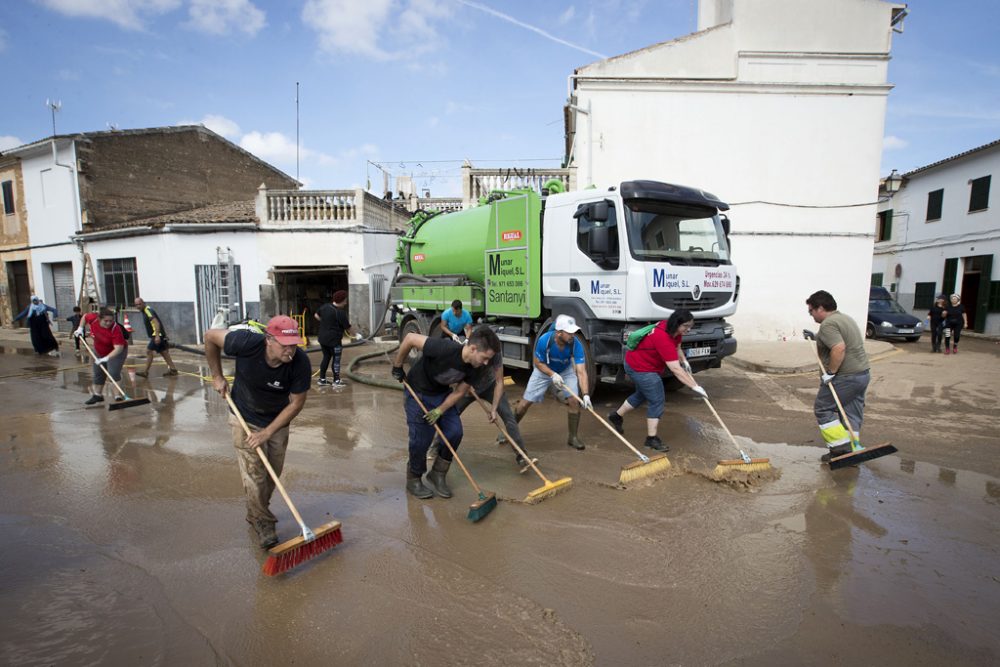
(41, 329)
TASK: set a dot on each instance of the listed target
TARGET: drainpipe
(590, 128)
(77, 217)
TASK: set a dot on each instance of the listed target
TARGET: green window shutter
(979, 194)
(887, 232)
(876, 280)
(923, 295)
(994, 305)
(935, 200)
(948, 281)
(983, 300)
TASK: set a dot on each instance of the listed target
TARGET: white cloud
(891, 143)
(7, 142)
(567, 15)
(346, 26)
(276, 147)
(222, 125)
(128, 14)
(219, 17)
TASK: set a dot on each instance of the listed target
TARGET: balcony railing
(325, 207)
(479, 182)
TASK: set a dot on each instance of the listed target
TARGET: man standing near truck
(157, 340)
(841, 347)
(559, 363)
(456, 322)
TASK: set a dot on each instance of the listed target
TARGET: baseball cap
(566, 323)
(284, 329)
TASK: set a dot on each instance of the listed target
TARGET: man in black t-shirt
(443, 363)
(333, 323)
(271, 380)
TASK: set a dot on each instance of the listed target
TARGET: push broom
(311, 543)
(549, 489)
(487, 500)
(115, 405)
(744, 463)
(858, 454)
(645, 467)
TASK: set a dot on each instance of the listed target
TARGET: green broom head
(657, 466)
(297, 550)
(862, 455)
(549, 490)
(487, 503)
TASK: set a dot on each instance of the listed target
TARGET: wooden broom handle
(499, 424)
(722, 424)
(603, 421)
(263, 458)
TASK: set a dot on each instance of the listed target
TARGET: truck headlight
(728, 330)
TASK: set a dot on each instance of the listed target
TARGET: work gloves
(828, 377)
(455, 338)
(104, 359)
(358, 336)
(557, 380)
(698, 389)
(686, 366)
(398, 373)
(586, 402)
(79, 333)
(432, 416)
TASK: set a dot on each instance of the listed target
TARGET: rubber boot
(836, 451)
(573, 421)
(416, 486)
(435, 478)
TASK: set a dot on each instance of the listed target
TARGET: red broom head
(307, 550)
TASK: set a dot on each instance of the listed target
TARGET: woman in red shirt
(660, 349)
(109, 346)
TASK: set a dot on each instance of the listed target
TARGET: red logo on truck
(512, 235)
(419, 257)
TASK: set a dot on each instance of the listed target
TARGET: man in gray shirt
(841, 348)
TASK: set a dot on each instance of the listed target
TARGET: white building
(938, 234)
(777, 107)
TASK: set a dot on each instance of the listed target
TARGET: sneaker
(955, 350)
(339, 383)
(118, 399)
(654, 442)
(172, 371)
(947, 351)
(501, 440)
(323, 382)
(142, 374)
(93, 400)
(617, 421)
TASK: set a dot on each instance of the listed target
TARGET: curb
(754, 367)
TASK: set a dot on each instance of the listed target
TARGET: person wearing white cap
(271, 381)
(559, 362)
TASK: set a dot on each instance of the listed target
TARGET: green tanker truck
(615, 259)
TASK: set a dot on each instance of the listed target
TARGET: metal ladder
(225, 277)
(88, 286)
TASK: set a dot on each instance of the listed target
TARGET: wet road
(124, 540)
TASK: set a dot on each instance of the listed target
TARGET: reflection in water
(947, 476)
(907, 465)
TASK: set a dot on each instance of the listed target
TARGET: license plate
(697, 352)
(904, 331)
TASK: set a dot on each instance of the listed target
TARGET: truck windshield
(659, 231)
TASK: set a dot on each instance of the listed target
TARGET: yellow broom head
(657, 466)
(740, 474)
(549, 490)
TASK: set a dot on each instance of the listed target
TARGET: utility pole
(54, 106)
(296, 130)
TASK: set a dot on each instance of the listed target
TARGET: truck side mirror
(600, 241)
(599, 211)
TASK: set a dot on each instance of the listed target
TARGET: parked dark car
(888, 319)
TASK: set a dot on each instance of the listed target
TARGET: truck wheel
(411, 325)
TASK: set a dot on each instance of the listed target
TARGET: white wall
(920, 248)
(788, 108)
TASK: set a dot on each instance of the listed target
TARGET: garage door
(62, 280)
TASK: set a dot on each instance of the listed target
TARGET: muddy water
(125, 544)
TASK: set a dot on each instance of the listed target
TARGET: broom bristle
(758, 465)
(549, 490)
(282, 562)
(487, 503)
(657, 465)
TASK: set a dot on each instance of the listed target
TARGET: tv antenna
(55, 106)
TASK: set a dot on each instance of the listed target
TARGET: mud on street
(124, 540)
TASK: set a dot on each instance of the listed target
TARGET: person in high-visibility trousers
(841, 347)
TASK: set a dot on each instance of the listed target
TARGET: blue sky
(417, 86)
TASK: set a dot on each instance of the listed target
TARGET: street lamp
(893, 182)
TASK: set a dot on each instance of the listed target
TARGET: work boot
(96, 398)
(267, 537)
(435, 478)
(836, 451)
(616, 420)
(654, 442)
(142, 374)
(573, 421)
(169, 373)
(416, 487)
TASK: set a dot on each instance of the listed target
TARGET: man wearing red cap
(271, 380)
